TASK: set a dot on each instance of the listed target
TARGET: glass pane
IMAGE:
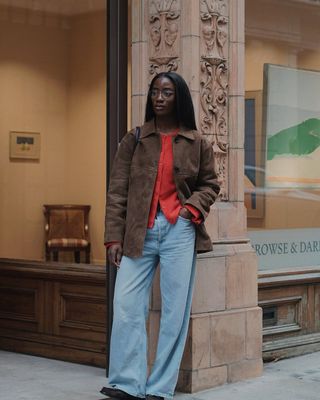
(282, 132)
(52, 121)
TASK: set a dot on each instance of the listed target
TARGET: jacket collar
(149, 128)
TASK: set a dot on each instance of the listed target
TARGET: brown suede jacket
(133, 176)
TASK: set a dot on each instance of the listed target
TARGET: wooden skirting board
(54, 310)
(290, 302)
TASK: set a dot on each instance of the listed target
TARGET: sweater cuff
(197, 217)
(109, 244)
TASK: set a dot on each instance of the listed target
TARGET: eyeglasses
(166, 93)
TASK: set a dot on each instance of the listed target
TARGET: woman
(161, 189)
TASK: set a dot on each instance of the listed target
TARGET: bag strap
(137, 134)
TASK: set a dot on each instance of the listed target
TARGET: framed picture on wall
(25, 145)
(254, 156)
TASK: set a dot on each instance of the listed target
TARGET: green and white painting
(292, 127)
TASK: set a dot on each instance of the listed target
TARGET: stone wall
(203, 40)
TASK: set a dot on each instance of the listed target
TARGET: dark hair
(184, 106)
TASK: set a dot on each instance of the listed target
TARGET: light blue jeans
(173, 248)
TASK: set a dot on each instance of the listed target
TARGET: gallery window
(282, 132)
(52, 121)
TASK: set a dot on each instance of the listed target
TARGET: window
(282, 132)
(53, 85)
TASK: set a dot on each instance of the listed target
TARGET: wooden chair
(67, 229)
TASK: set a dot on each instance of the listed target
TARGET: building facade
(253, 70)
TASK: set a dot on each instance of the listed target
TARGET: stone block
(190, 70)
(197, 349)
(241, 280)
(211, 222)
(228, 337)
(236, 122)
(209, 290)
(196, 104)
(254, 333)
(236, 18)
(236, 176)
(236, 73)
(137, 110)
(136, 18)
(245, 369)
(139, 54)
(194, 381)
(139, 21)
(232, 221)
(190, 18)
(209, 378)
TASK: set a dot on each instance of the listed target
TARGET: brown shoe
(118, 394)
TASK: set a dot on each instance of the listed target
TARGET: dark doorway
(117, 91)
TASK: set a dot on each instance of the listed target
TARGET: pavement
(24, 377)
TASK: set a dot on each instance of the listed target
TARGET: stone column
(203, 40)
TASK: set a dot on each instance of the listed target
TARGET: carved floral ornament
(214, 82)
(164, 20)
(164, 50)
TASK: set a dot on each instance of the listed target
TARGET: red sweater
(165, 192)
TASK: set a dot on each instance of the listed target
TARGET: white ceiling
(62, 7)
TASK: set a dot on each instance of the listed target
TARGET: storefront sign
(282, 248)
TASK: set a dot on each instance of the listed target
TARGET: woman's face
(163, 97)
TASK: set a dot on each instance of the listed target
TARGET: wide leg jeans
(173, 248)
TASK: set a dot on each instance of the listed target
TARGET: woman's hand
(185, 213)
(115, 254)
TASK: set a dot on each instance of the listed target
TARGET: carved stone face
(163, 97)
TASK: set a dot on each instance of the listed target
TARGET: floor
(24, 377)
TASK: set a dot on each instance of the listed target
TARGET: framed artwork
(292, 127)
(254, 156)
(25, 145)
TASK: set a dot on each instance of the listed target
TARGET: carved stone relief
(164, 26)
(214, 82)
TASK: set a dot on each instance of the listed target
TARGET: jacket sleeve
(207, 188)
(116, 206)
